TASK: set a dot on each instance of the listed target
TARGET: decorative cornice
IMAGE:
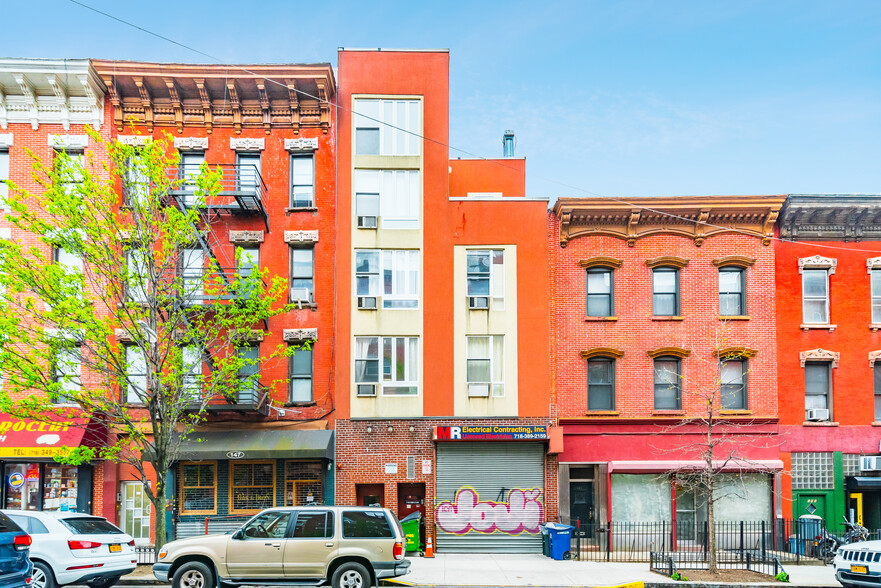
(601, 261)
(300, 335)
(666, 261)
(68, 141)
(873, 355)
(602, 352)
(133, 140)
(734, 261)
(247, 144)
(817, 262)
(210, 96)
(246, 237)
(693, 217)
(831, 217)
(873, 263)
(191, 143)
(735, 352)
(251, 336)
(669, 351)
(301, 144)
(819, 355)
(300, 237)
(122, 335)
(6, 139)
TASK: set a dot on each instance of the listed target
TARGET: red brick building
(442, 320)
(829, 314)
(659, 306)
(271, 131)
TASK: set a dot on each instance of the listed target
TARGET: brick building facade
(660, 306)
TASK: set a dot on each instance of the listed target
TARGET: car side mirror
(237, 535)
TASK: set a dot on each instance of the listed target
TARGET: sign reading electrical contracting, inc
(491, 433)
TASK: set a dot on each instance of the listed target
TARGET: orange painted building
(271, 131)
(829, 316)
(442, 319)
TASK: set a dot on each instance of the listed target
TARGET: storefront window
(252, 486)
(198, 487)
(303, 483)
(59, 488)
(22, 486)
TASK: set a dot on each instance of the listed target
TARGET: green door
(810, 504)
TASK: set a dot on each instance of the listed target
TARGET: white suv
(858, 564)
(75, 548)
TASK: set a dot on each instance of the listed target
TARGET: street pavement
(503, 570)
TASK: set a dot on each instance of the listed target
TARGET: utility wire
(450, 147)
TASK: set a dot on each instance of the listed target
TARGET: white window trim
(393, 130)
(804, 298)
(492, 364)
(496, 286)
(379, 294)
(412, 380)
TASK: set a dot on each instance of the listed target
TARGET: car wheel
(104, 582)
(351, 575)
(42, 576)
(193, 574)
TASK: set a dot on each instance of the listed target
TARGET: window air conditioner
(301, 296)
(366, 222)
(817, 414)
(367, 302)
(478, 390)
(870, 463)
(366, 389)
(478, 302)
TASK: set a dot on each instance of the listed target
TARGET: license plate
(859, 569)
(115, 547)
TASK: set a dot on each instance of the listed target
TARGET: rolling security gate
(490, 497)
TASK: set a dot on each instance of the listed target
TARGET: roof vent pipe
(508, 144)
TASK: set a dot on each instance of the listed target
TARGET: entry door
(691, 512)
(411, 498)
(810, 504)
(581, 507)
(134, 516)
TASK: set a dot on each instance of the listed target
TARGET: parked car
(858, 564)
(347, 546)
(75, 548)
(15, 567)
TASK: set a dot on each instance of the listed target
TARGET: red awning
(23, 438)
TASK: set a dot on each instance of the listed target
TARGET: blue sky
(636, 98)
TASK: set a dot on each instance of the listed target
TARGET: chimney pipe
(508, 144)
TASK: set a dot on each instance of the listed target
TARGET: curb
(149, 582)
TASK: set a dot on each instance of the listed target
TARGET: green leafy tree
(114, 308)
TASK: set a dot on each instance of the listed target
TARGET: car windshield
(91, 526)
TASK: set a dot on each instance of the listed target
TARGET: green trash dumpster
(411, 524)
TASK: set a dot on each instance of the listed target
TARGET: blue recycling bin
(560, 537)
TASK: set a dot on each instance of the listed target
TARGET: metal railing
(208, 525)
(741, 541)
(671, 563)
(146, 554)
(242, 189)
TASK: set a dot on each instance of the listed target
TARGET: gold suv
(347, 546)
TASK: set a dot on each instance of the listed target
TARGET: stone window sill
(874, 327)
(289, 210)
(305, 306)
(601, 413)
(735, 412)
(668, 413)
(668, 318)
(299, 404)
(820, 424)
(600, 319)
(876, 424)
(827, 327)
(734, 317)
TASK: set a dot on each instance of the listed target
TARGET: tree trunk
(712, 563)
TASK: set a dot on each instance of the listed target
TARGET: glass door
(135, 512)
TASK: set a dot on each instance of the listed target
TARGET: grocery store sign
(491, 433)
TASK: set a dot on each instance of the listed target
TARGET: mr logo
(449, 433)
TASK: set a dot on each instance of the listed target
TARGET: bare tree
(116, 309)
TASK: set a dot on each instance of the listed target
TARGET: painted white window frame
(136, 375)
(805, 298)
(397, 122)
(387, 366)
(399, 193)
(494, 276)
(395, 279)
(494, 356)
(4, 176)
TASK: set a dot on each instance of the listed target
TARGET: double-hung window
(190, 168)
(600, 292)
(66, 374)
(732, 380)
(485, 278)
(877, 374)
(301, 376)
(136, 375)
(247, 264)
(248, 177)
(388, 127)
(191, 373)
(303, 275)
(876, 296)
(815, 292)
(485, 369)
(249, 374)
(665, 291)
(302, 180)
(137, 284)
(600, 383)
(817, 385)
(395, 194)
(391, 362)
(399, 273)
(71, 261)
(4, 176)
(70, 169)
(732, 291)
(668, 384)
(192, 268)
(136, 184)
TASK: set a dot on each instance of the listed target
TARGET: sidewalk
(460, 569)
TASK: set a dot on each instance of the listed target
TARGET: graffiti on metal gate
(520, 513)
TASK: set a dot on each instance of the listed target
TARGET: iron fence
(671, 563)
(146, 554)
(787, 541)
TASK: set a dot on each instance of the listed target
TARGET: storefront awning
(862, 483)
(256, 444)
(25, 438)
